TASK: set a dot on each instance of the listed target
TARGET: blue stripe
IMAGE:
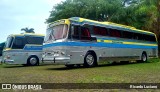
(13, 50)
(126, 40)
(33, 47)
(99, 44)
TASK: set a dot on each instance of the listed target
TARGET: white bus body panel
(20, 56)
(76, 54)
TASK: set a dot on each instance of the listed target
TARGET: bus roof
(111, 24)
(58, 22)
(26, 34)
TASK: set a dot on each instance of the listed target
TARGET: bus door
(18, 45)
(82, 36)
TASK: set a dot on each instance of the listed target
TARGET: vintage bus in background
(25, 48)
(1, 50)
(77, 41)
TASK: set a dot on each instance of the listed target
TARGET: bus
(1, 50)
(25, 49)
(80, 41)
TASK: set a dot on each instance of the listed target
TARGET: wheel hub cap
(90, 59)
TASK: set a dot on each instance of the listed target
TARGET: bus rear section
(23, 49)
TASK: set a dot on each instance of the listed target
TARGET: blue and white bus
(23, 49)
(77, 41)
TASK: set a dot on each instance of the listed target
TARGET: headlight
(63, 53)
(56, 55)
(43, 55)
(8, 57)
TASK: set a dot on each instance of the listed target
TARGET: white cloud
(16, 14)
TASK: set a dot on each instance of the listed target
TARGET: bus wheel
(32, 61)
(70, 66)
(90, 60)
(144, 57)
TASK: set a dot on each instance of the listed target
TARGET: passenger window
(128, 35)
(115, 33)
(34, 40)
(138, 36)
(80, 33)
(85, 34)
(100, 31)
(75, 32)
(149, 38)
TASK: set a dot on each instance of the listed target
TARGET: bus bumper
(8, 61)
(56, 60)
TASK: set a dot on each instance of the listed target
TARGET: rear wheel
(90, 60)
(32, 61)
(144, 57)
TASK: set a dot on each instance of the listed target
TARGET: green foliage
(93, 9)
(142, 14)
(28, 30)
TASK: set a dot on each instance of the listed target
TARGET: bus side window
(127, 35)
(75, 32)
(138, 36)
(115, 33)
(85, 34)
(100, 31)
(149, 38)
(34, 40)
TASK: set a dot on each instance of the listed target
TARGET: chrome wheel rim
(144, 58)
(90, 59)
(33, 61)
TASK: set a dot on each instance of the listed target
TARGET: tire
(70, 66)
(144, 57)
(90, 60)
(33, 61)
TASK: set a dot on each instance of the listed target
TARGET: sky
(17, 14)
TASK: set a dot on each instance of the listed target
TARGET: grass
(105, 73)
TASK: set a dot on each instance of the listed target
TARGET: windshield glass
(56, 33)
(1, 47)
(18, 43)
(9, 42)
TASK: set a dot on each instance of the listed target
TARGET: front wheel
(32, 61)
(90, 60)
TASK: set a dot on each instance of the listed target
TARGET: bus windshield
(1, 48)
(56, 32)
(9, 42)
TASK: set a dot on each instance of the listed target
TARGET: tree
(27, 30)
(142, 14)
(102, 10)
